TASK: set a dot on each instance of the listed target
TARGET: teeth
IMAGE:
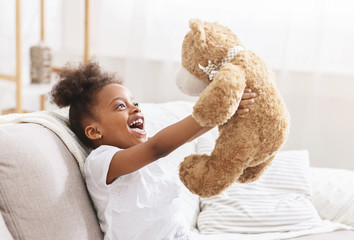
(136, 122)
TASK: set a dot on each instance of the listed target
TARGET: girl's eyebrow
(122, 99)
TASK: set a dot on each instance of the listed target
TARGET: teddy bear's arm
(220, 99)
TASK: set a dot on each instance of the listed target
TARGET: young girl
(133, 197)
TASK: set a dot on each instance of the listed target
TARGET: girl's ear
(93, 132)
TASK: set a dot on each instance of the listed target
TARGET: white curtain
(308, 43)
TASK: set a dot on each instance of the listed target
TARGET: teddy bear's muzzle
(189, 84)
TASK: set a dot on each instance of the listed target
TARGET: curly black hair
(76, 87)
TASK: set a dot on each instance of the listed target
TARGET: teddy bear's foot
(202, 177)
(251, 174)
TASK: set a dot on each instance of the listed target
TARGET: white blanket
(56, 121)
(328, 227)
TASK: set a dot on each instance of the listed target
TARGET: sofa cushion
(42, 193)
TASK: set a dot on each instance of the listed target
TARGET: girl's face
(119, 118)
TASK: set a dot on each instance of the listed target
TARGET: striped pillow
(279, 201)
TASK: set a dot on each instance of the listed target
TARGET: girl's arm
(164, 142)
(158, 146)
(247, 99)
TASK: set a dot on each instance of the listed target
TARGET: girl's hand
(247, 99)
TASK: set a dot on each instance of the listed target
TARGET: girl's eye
(119, 106)
(136, 104)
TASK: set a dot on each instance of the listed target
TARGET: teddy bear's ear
(197, 29)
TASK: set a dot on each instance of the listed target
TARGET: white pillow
(333, 194)
(279, 201)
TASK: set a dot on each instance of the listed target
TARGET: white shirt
(141, 205)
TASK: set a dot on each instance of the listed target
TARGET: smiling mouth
(138, 126)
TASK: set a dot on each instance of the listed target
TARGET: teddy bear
(217, 67)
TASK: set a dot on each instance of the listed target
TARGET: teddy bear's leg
(251, 174)
(192, 170)
(207, 176)
(200, 175)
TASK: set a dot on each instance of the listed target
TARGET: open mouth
(137, 125)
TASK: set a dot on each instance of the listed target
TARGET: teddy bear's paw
(201, 177)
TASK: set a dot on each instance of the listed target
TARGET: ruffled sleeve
(97, 165)
(148, 187)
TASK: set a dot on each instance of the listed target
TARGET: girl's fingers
(246, 102)
(248, 95)
(247, 90)
(247, 99)
(242, 111)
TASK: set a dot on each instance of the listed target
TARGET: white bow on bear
(211, 70)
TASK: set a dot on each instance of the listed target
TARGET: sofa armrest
(333, 194)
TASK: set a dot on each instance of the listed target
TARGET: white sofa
(43, 194)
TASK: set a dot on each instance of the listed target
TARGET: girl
(133, 197)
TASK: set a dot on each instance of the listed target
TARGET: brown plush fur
(247, 143)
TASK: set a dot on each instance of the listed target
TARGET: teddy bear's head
(206, 44)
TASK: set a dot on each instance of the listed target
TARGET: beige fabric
(42, 193)
(57, 121)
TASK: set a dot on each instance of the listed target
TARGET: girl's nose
(135, 109)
